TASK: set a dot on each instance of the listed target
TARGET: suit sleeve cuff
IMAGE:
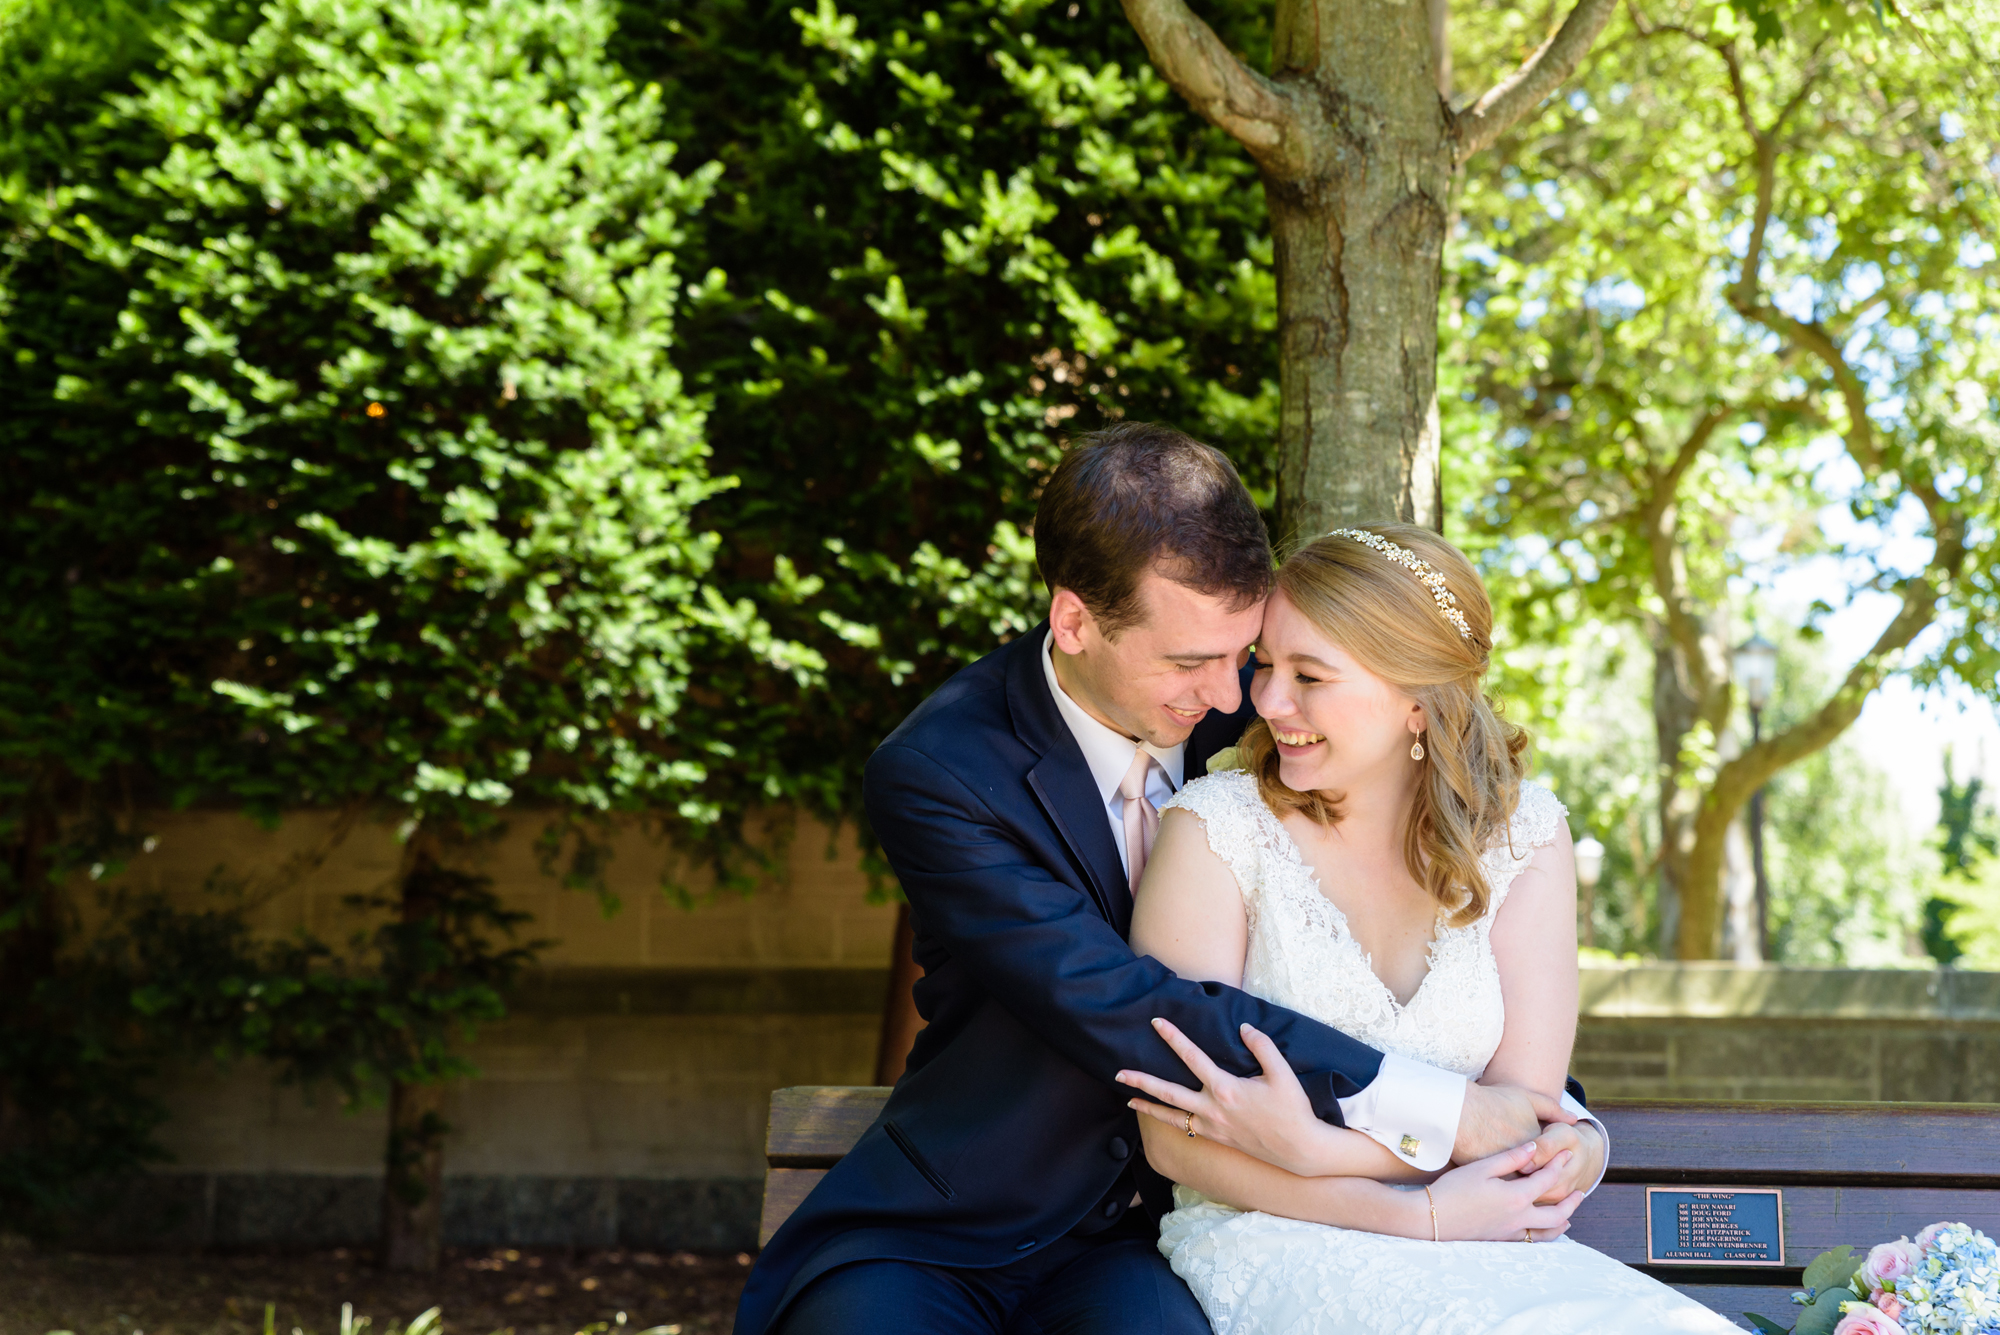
(1411, 1108)
(1584, 1114)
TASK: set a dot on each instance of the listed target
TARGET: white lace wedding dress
(1259, 1274)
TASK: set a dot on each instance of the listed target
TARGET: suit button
(1118, 1149)
(1024, 1244)
(1111, 1209)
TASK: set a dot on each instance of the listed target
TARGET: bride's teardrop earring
(1417, 749)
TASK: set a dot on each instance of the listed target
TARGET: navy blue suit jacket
(1007, 1129)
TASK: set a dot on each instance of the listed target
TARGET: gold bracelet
(1434, 1211)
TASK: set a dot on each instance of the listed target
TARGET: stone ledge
(1725, 991)
(171, 1211)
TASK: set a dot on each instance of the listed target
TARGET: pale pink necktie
(1142, 822)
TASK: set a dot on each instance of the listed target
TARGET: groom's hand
(1499, 1117)
(1585, 1162)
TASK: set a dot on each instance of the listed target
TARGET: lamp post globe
(1589, 861)
(1757, 670)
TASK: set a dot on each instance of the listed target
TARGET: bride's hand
(1265, 1116)
(1487, 1202)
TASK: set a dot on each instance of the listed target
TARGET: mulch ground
(528, 1291)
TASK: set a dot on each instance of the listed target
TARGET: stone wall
(1725, 1031)
(623, 1101)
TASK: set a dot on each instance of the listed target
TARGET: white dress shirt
(1109, 754)
(1408, 1102)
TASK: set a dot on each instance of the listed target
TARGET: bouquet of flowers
(1946, 1282)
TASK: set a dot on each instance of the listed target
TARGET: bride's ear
(1419, 721)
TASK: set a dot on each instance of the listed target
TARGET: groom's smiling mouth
(1191, 715)
(1297, 738)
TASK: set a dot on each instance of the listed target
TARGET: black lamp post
(1757, 672)
(1589, 869)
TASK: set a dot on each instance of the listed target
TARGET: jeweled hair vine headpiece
(1427, 574)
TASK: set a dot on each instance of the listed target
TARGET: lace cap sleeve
(1537, 821)
(1227, 804)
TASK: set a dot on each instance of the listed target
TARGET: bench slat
(1773, 1144)
(784, 1189)
(813, 1125)
(1613, 1218)
(1733, 1300)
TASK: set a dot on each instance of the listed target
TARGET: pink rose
(1863, 1320)
(1892, 1306)
(1925, 1238)
(1888, 1263)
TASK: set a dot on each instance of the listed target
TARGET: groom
(1002, 1189)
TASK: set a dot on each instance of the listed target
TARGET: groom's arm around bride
(1016, 806)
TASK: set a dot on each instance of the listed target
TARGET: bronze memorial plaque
(1729, 1226)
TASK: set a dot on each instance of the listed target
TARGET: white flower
(1229, 757)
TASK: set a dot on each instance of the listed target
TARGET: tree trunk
(1359, 246)
(1357, 150)
(1701, 912)
(29, 941)
(1357, 326)
(413, 1188)
(1675, 712)
(900, 1021)
(1741, 941)
(413, 1183)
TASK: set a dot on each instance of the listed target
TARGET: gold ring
(1189, 1127)
(1527, 1235)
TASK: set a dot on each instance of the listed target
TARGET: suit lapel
(1069, 796)
(1061, 781)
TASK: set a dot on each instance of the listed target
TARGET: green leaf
(1824, 1314)
(1759, 1322)
(1832, 1269)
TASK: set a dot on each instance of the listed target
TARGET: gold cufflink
(1410, 1146)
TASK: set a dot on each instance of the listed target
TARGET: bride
(1373, 859)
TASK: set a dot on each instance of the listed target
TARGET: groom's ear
(1067, 619)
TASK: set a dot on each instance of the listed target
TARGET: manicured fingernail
(1157, 1022)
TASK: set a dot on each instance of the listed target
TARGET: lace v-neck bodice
(1302, 955)
(1263, 1274)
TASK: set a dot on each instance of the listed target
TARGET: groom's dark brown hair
(1139, 495)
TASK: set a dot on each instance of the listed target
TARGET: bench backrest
(1853, 1173)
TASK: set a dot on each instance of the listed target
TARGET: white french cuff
(1586, 1115)
(1411, 1108)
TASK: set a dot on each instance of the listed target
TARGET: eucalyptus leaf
(1832, 1268)
(1824, 1313)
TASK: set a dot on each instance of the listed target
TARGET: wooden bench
(1853, 1173)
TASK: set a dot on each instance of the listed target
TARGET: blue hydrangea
(1955, 1287)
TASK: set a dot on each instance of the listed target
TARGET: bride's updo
(1380, 611)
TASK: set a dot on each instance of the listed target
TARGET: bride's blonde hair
(1377, 610)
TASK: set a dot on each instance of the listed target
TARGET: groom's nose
(1220, 687)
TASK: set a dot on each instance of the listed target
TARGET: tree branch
(1440, 17)
(1659, 522)
(1522, 91)
(1739, 778)
(1254, 111)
